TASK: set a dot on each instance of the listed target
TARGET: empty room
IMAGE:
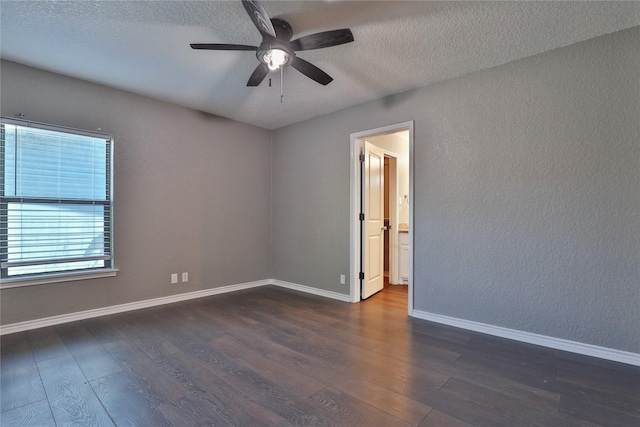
(319, 213)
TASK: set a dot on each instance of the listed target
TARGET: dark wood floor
(395, 296)
(274, 357)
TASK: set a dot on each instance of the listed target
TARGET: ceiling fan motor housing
(283, 29)
(284, 32)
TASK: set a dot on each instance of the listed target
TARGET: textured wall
(527, 198)
(527, 206)
(311, 206)
(192, 193)
(529, 202)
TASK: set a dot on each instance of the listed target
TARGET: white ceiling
(143, 47)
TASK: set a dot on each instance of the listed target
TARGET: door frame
(394, 276)
(355, 238)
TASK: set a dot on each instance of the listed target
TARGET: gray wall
(527, 197)
(527, 206)
(192, 193)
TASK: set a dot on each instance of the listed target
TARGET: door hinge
(361, 158)
(361, 275)
(361, 217)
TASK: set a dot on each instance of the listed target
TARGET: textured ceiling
(143, 47)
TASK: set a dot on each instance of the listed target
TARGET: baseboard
(120, 308)
(310, 290)
(542, 340)
(528, 337)
(105, 311)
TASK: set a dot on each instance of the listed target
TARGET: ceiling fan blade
(258, 75)
(323, 39)
(222, 46)
(311, 71)
(259, 17)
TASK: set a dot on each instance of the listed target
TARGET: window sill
(57, 278)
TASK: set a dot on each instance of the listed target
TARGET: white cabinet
(403, 256)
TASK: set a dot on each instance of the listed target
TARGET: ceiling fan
(277, 50)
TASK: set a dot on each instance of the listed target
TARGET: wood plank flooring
(274, 357)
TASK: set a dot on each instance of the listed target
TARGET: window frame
(109, 269)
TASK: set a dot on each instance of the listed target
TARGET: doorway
(382, 239)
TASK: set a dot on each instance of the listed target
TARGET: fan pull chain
(281, 83)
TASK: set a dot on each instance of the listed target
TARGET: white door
(373, 203)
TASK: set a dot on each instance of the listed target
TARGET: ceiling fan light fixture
(275, 58)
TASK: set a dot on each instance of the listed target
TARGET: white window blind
(55, 200)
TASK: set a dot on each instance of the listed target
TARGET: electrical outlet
(185, 277)
(174, 278)
(342, 279)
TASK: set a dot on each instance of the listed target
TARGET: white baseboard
(542, 340)
(310, 290)
(120, 308)
(528, 337)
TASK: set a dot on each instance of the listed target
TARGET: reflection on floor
(391, 295)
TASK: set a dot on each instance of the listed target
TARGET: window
(55, 201)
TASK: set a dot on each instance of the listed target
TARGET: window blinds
(55, 200)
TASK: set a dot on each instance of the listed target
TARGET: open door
(360, 286)
(373, 227)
